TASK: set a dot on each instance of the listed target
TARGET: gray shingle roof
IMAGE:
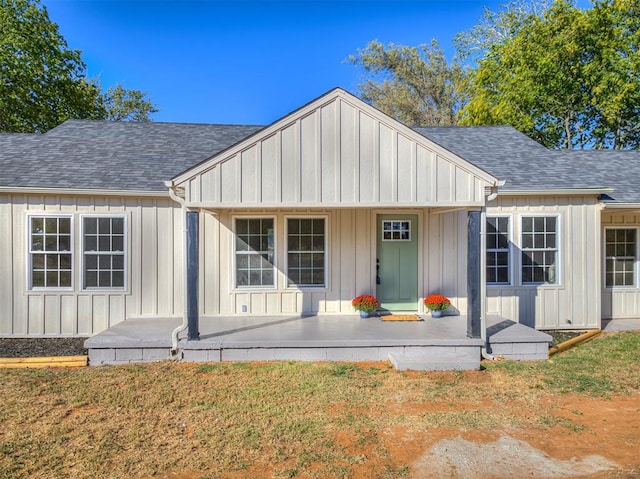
(525, 164)
(111, 155)
(82, 154)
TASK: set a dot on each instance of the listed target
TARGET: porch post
(474, 261)
(193, 332)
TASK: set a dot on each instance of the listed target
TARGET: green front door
(397, 262)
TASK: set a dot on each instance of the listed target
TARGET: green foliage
(415, 85)
(567, 78)
(127, 105)
(43, 82)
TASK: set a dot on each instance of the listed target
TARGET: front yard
(315, 420)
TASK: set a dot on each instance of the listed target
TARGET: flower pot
(364, 314)
(436, 313)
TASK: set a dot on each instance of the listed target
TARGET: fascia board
(82, 192)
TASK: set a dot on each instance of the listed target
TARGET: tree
(415, 85)
(497, 27)
(567, 78)
(42, 81)
(127, 105)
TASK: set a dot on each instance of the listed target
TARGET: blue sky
(247, 62)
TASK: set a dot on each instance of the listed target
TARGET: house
(333, 200)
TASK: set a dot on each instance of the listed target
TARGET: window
(50, 252)
(539, 249)
(103, 250)
(396, 230)
(498, 267)
(254, 254)
(620, 256)
(306, 251)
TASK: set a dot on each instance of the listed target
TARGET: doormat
(401, 317)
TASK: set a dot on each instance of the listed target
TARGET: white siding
(620, 302)
(351, 250)
(575, 301)
(336, 153)
(154, 267)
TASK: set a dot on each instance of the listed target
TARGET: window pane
(117, 243)
(90, 243)
(51, 243)
(242, 261)
(104, 279)
(65, 261)
(64, 226)
(104, 243)
(118, 279)
(527, 224)
(51, 225)
(37, 225)
(52, 279)
(37, 243)
(91, 261)
(305, 226)
(318, 243)
(65, 279)
(117, 226)
(90, 226)
(37, 261)
(37, 279)
(242, 277)
(104, 261)
(64, 243)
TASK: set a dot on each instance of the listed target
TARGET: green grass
(290, 419)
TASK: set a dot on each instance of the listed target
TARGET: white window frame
(510, 249)
(636, 262)
(125, 254)
(557, 249)
(30, 252)
(313, 287)
(235, 285)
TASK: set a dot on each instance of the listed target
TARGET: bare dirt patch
(578, 414)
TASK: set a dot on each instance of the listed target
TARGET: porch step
(435, 360)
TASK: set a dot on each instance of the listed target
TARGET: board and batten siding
(575, 301)
(335, 154)
(351, 252)
(620, 302)
(154, 268)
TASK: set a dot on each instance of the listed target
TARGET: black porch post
(193, 332)
(473, 274)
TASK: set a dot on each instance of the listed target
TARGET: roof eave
(556, 192)
(82, 191)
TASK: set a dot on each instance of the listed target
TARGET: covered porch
(431, 344)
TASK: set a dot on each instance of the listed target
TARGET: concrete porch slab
(314, 338)
(512, 340)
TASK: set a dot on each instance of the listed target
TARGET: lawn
(290, 419)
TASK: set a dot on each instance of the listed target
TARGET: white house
(333, 200)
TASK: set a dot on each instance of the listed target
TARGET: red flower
(436, 302)
(365, 302)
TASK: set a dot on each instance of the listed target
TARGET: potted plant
(365, 303)
(436, 303)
